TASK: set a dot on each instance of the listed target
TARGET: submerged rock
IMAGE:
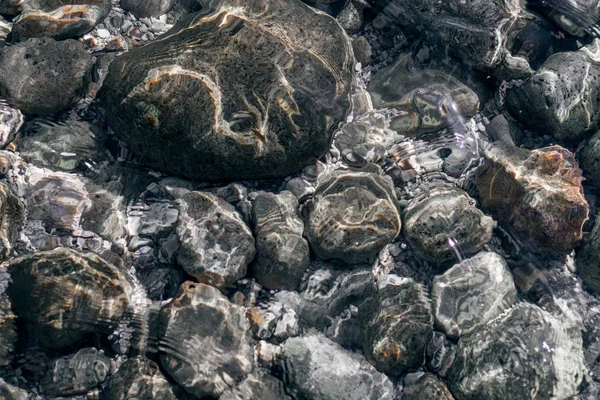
(8, 327)
(12, 215)
(216, 245)
(63, 67)
(588, 259)
(530, 352)
(147, 8)
(424, 386)
(538, 193)
(11, 392)
(353, 214)
(315, 367)
(58, 19)
(139, 378)
(590, 159)
(400, 327)
(282, 254)
(256, 386)
(11, 121)
(204, 341)
(472, 293)
(562, 97)
(443, 217)
(239, 89)
(427, 100)
(77, 373)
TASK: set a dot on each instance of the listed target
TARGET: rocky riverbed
(285, 199)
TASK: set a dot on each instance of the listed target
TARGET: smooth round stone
(241, 91)
(63, 67)
(147, 8)
(532, 354)
(216, 244)
(282, 253)
(139, 378)
(538, 193)
(424, 387)
(400, 327)
(442, 218)
(472, 293)
(204, 340)
(588, 259)
(353, 214)
(315, 367)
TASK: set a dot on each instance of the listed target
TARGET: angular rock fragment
(427, 100)
(282, 254)
(472, 293)
(538, 193)
(139, 378)
(204, 341)
(237, 88)
(317, 368)
(353, 214)
(424, 386)
(69, 290)
(147, 8)
(531, 353)
(588, 259)
(256, 386)
(400, 327)
(443, 217)
(274, 320)
(77, 373)
(63, 147)
(12, 215)
(58, 19)
(216, 245)
(63, 67)
(562, 97)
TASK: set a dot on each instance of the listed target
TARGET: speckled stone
(538, 193)
(237, 87)
(139, 378)
(353, 214)
(204, 341)
(282, 254)
(216, 244)
(472, 293)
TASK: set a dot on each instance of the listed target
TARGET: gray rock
(282, 254)
(427, 100)
(256, 386)
(139, 378)
(11, 8)
(12, 215)
(11, 121)
(159, 221)
(11, 392)
(275, 320)
(353, 214)
(300, 188)
(444, 217)
(64, 67)
(77, 373)
(538, 193)
(588, 259)
(424, 386)
(440, 354)
(362, 50)
(472, 293)
(350, 18)
(507, 131)
(531, 353)
(400, 327)
(216, 245)
(247, 101)
(58, 19)
(8, 327)
(562, 96)
(590, 159)
(147, 8)
(63, 147)
(365, 140)
(204, 341)
(315, 367)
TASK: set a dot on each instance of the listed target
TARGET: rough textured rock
(505, 130)
(67, 62)
(256, 386)
(11, 219)
(562, 97)
(77, 373)
(139, 378)
(275, 320)
(472, 293)
(538, 193)
(246, 98)
(8, 327)
(532, 354)
(401, 325)
(59, 19)
(282, 254)
(147, 8)
(11, 121)
(216, 245)
(443, 217)
(63, 147)
(204, 342)
(69, 290)
(588, 259)
(424, 387)
(315, 367)
(427, 100)
(590, 159)
(353, 214)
